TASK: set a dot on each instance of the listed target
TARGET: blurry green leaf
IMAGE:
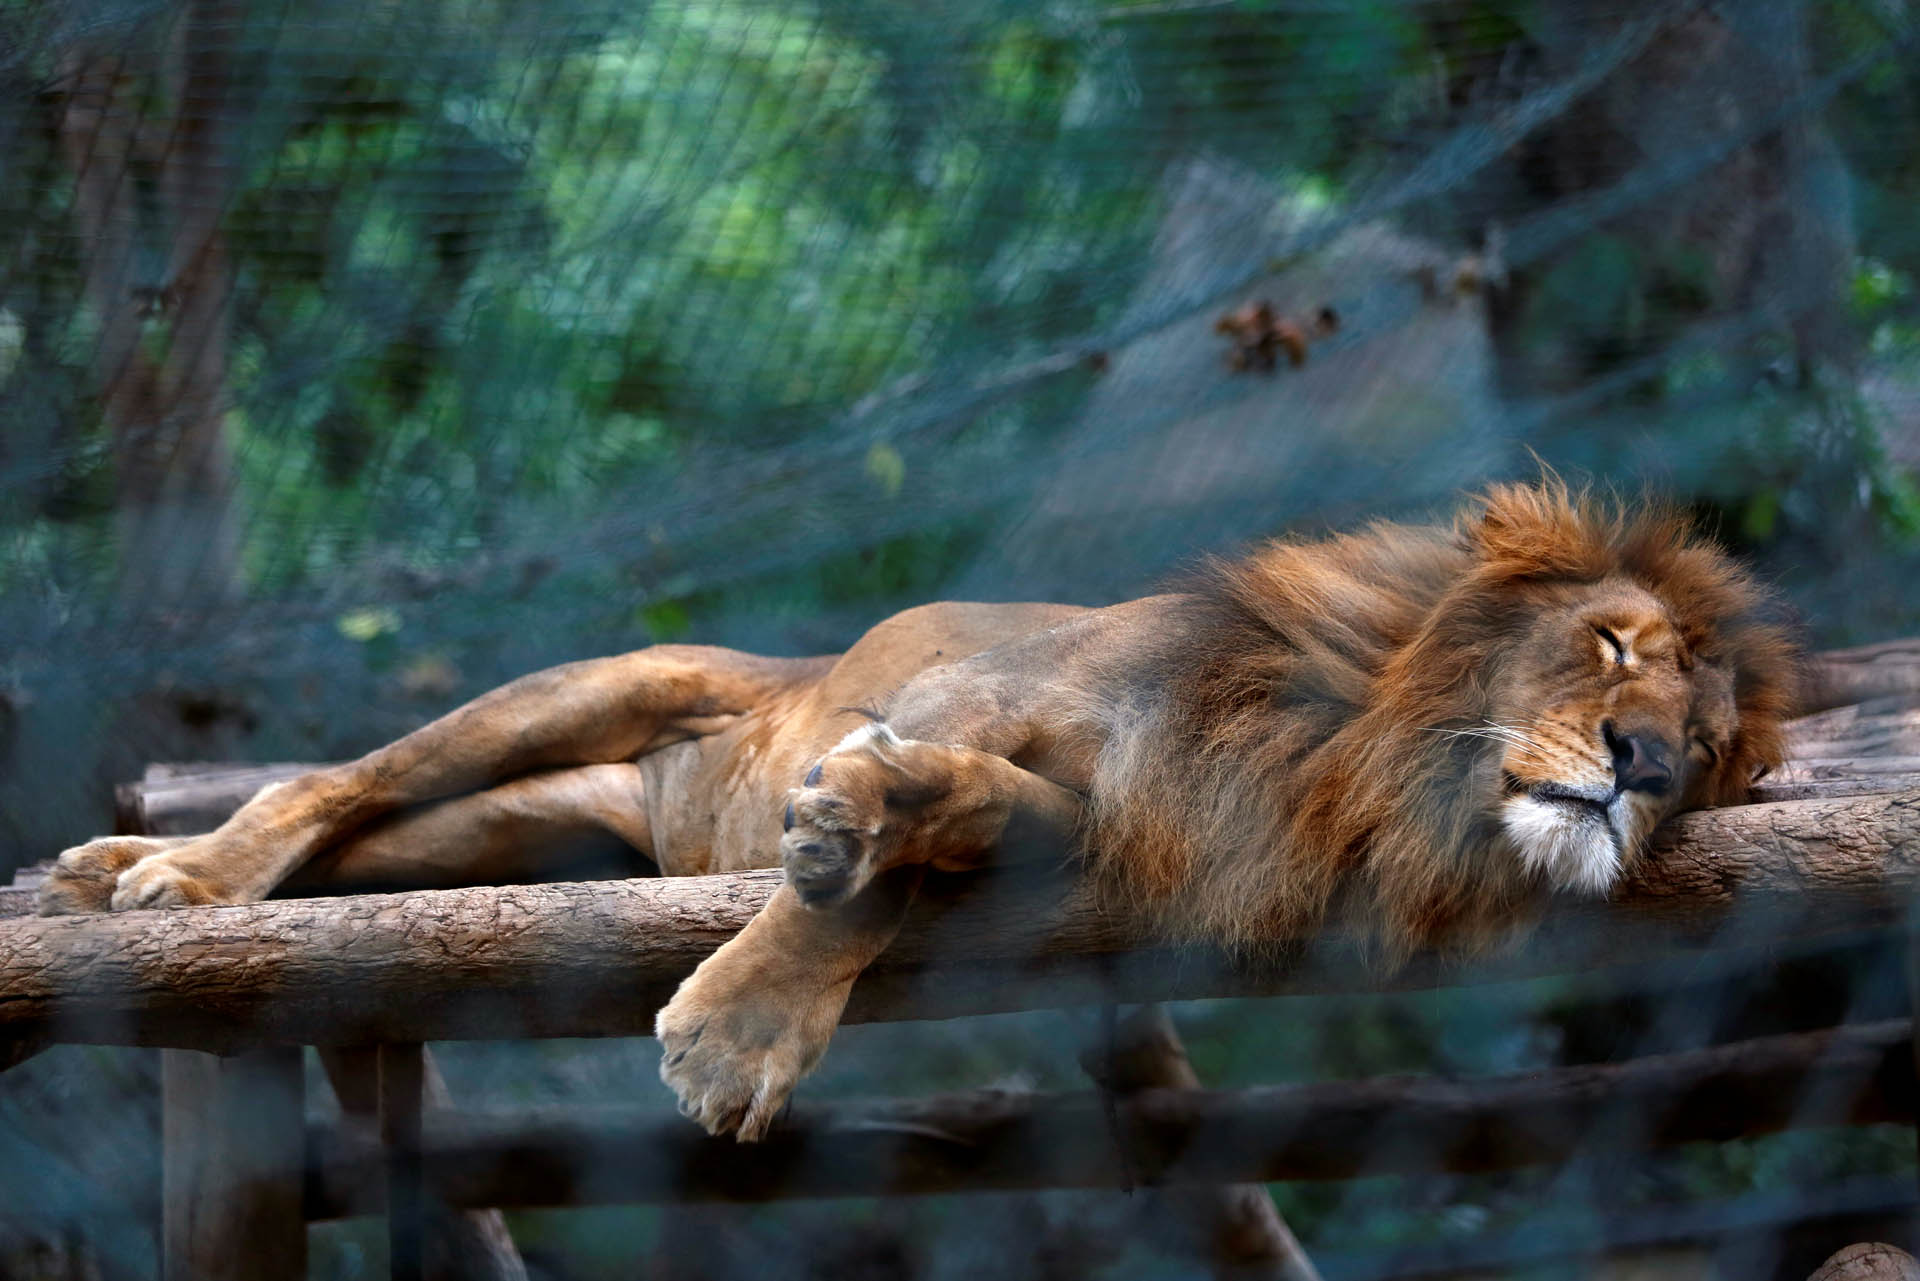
(665, 620)
(886, 468)
(1761, 515)
(364, 625)
(1874, 286)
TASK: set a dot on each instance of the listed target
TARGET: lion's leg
(868, 817)
(596, 712)
(527, 829)
(757, 1015)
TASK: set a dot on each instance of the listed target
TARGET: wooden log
(596, 959)
(1859, 731)
(1840, 676)
(234, 1132)
(1868, 1261)
(1796, 785)
(995, 1139)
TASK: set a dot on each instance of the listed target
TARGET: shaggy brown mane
(1281, 764)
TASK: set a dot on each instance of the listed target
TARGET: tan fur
(1424, 727)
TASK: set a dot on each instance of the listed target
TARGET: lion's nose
(1640, 764)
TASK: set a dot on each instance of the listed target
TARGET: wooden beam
(598, 958)
(1003, 1140)
(233, 1149)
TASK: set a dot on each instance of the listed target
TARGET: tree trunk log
(596, 959)
(995, 1139)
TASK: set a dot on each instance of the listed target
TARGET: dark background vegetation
(355, 357)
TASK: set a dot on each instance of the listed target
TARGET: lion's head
(1438, 724)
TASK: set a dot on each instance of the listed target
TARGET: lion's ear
(1528, 531)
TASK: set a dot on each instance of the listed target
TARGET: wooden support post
(402, 1083)
(233, 1132)
(461, 1245)
(1233, 1225)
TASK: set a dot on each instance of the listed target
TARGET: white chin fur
(1570, 847)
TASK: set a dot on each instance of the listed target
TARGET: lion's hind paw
(162, 882)
(83, 878)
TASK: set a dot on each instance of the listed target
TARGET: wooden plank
(597, 959)
(1008, 1140)
(233, 1149)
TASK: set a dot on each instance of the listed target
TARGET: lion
(1424, 728)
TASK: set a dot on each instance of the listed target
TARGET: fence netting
(357, 356)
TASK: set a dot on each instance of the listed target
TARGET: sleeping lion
(1429, 727)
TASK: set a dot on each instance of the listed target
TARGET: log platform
(1828, 850)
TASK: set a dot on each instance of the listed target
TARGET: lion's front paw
(842, 826)
(734, 1056)
(83, 878)
(828, 850)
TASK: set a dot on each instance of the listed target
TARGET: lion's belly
(714, 804)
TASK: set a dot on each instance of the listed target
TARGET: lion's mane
(1273, 762)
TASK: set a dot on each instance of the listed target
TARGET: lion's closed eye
(1613, 650)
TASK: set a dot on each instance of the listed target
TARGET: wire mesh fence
(356, 357)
